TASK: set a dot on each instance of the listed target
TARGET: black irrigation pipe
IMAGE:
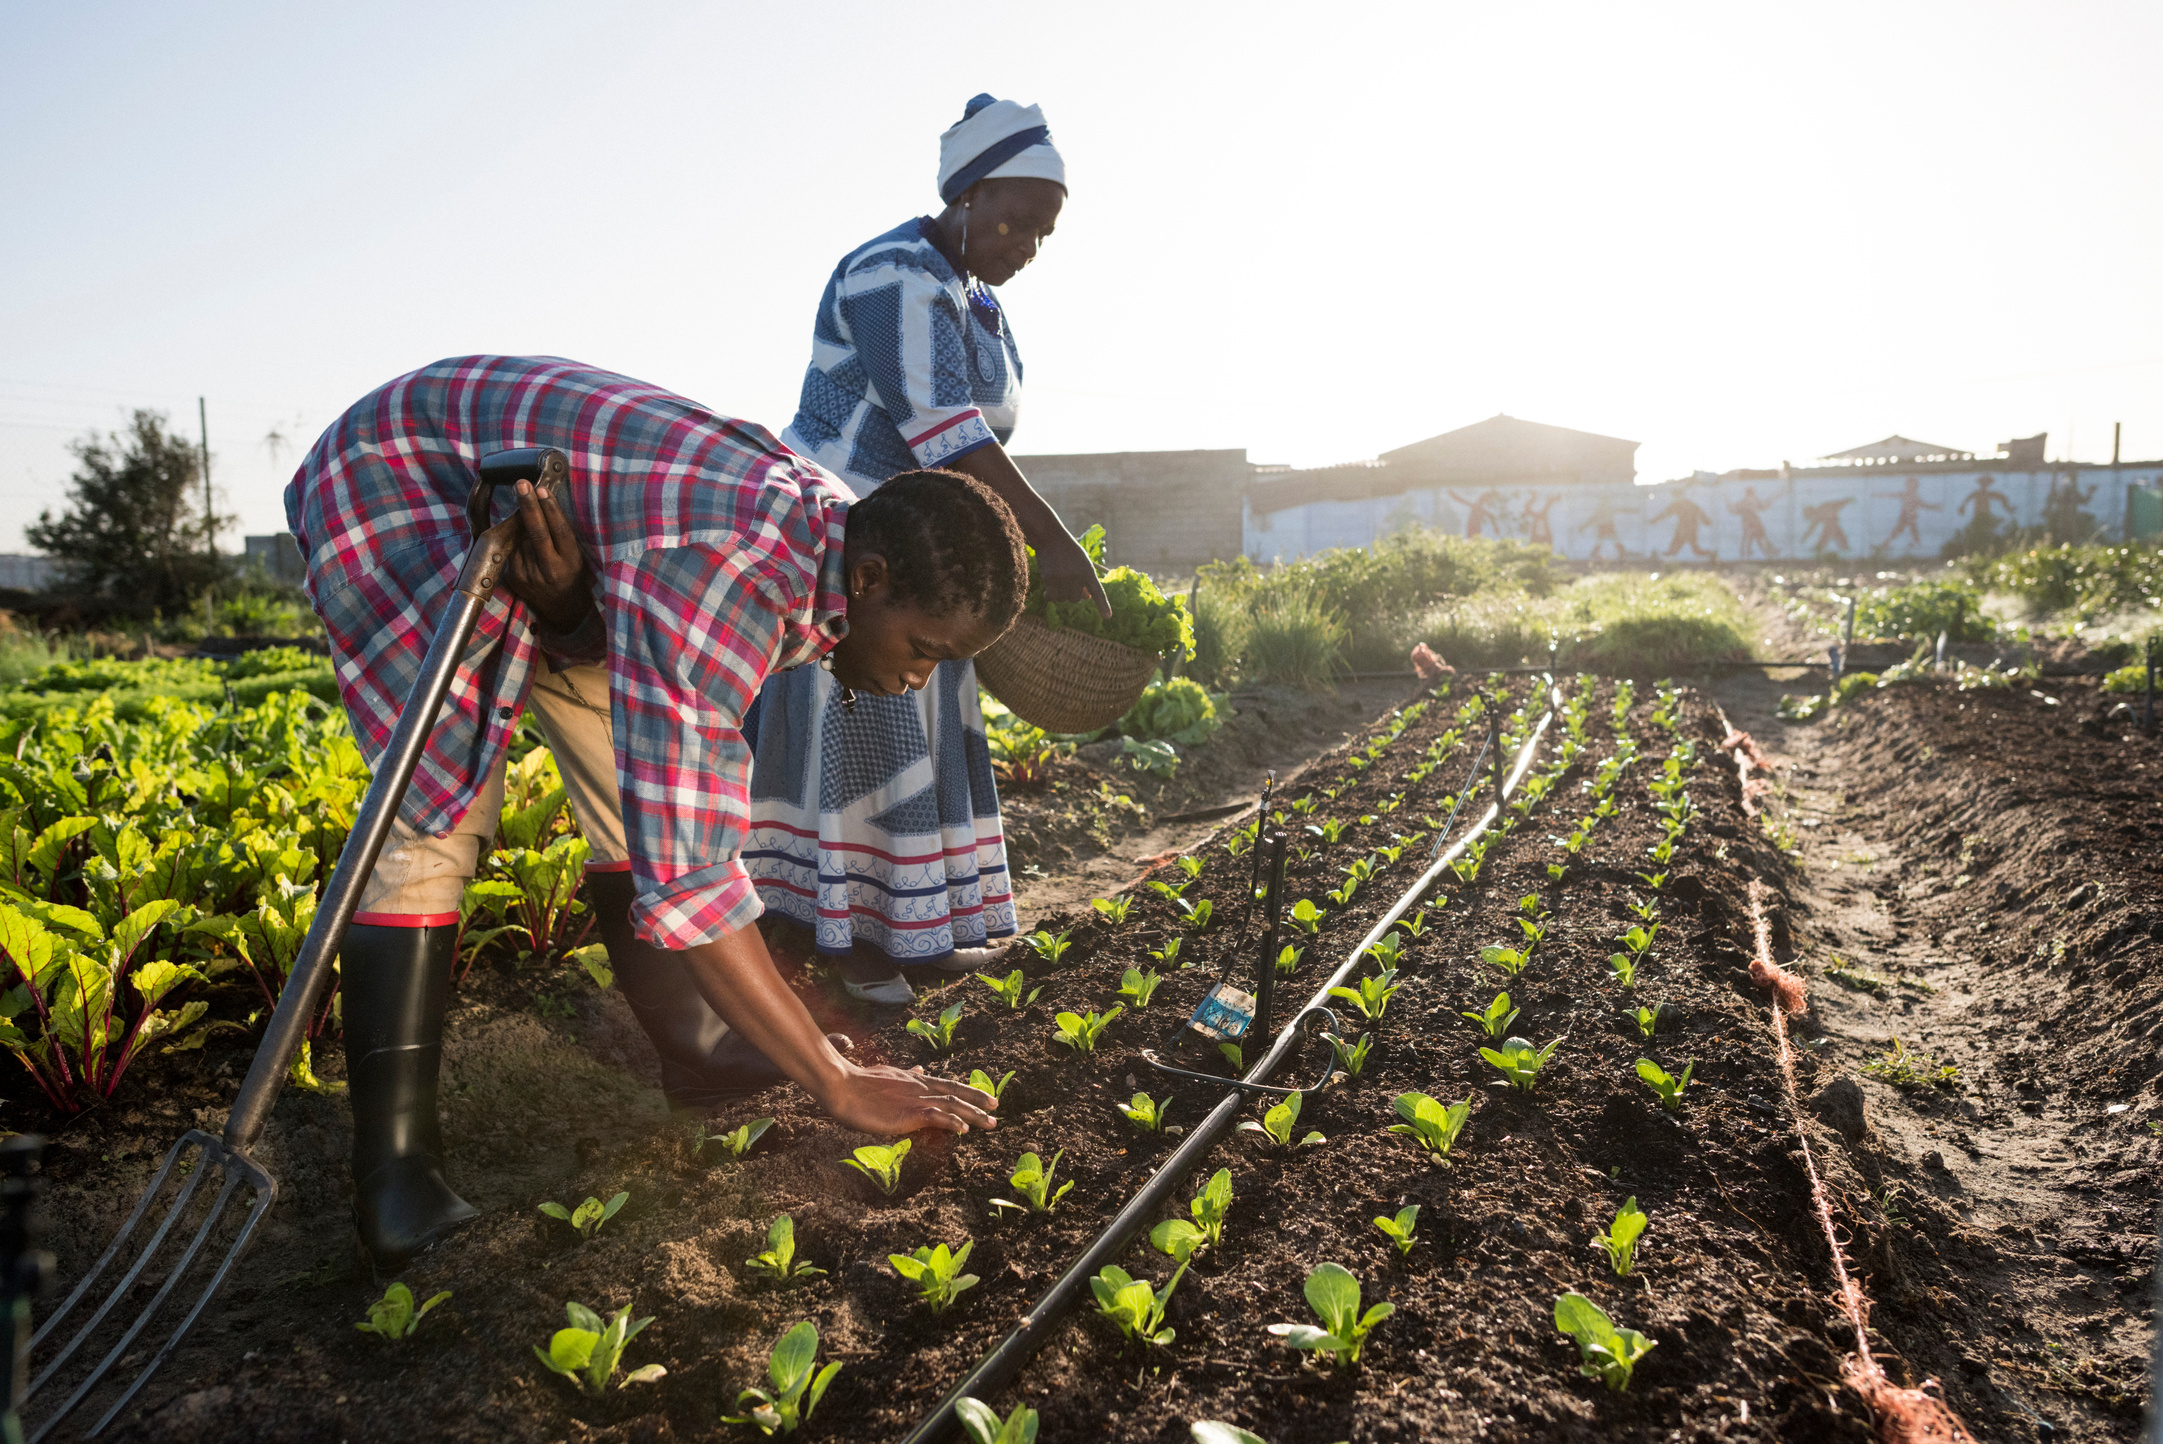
(1006, 1358)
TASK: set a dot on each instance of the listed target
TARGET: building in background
(277, 555)
(27, 572)
(1165, 512)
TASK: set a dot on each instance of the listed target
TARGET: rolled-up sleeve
(693, 638)
(906, 326)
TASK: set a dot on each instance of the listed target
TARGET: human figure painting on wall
(1912, 507)
(1982, 524)
(1485, 512)
(1750, 510)
(1690, 518)
(1824, 519)
(2065, 512)
(1538, 531)
(1602, 521)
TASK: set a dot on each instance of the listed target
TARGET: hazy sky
(1736, 233)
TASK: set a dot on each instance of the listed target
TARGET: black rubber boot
(702, 1062)
(397, 984)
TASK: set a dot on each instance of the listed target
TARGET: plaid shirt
(719, 558)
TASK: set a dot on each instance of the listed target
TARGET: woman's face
(1008, 220)
(893, 645)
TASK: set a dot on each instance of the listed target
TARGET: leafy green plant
(1667, 1085)
(1081, 1031)
(588, 1217)
(1620, 1240)
(881, 1163)
(1306, 917)
(1372, 996)
(588, 1352)
(1138, 987)
(1333, 1293)
(1519, 1061)
(984, 1426)
(1008, 989)
(393, 1317)
(1169, 953)
(1276, 1124)
(1653, 880)
(1133, 1305)
(1351, 1057)
(1050, 946)
(1234, 1055)
(978, 1078)
(1622, 967)
(1389, 951)
(1113, 909)
(777, 1260)
(1648, 1020)
(1495, 1020)
(1209, 1207)
(1433, 1125)
(1511, 961)
(1639, 938)
(736, 1142)
(1913, 1069)
(1197, 914)
(1610, 1354)
(936, 1272)
(1399, 1229)
(1032, 1180)
(1171, 892)
(939, 1035)
(796, 1390)
(1288, 959)
(1417, 924)
(1146, 1113)
(1190, 865)
(1328, 831)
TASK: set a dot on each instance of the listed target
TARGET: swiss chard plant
(1620, 1240)
(1196, 915)
(1008, 989)
(1610, 1354)
(1080, 1031)
(1050, 946)
(1495, 1019)
(1032, 1180)
(1306, 917)
(1333, 1294)
(1511, 961)
(1113, 909)
(1288, 959)
(1433, 1125)
(936, 1272)
(1135, 1307)
(589, 1351)
(1389, 952)
(1167, 955)
(394, 1317)
(1372, 996)
(983, 1425)
(1520, 1061)
(1146, 1113)
(777, 1260)
(1648, 1020)
(1399, 1229)
(978, 1078)
(1417, 924)
(1622, 967)
(797, 1386)
(939, 1035)
(1209, 1208)
(1351, 1057)
(1668, 1085)
(1138, 986)
(1277, 1122)
(881, 1163)
(588, 1217)
(735, 1143)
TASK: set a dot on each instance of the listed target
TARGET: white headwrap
(995, 139)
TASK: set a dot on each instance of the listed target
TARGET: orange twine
(1904, 1416)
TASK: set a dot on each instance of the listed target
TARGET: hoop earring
(966, 277)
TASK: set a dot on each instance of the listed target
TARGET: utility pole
(210, 529)
(2117, 428)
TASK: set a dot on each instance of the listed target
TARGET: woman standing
(879, 830)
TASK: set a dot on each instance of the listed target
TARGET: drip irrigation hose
(1006, 1357)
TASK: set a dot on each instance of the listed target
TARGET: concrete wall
(1165, 512)
(27, 572)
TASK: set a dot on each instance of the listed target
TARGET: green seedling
(1530, 905)
(1209, 1208)
(1653, 880)
(588, 1217)
(778, 1260)
(1391, 852)
(1306, 917)
(1138, 987)
(1467, 869)
(1191, 866)
(984, 1426)
(1519, 1061)
(1081, 1031)
(1032, 1180)
(588, 1352)
(1008, 989)
(1496, 1019)
(1328, 831)
(1905, 1069)
(1113, 909)
(393, 1317)
(1146, 1113)
(1388, 952)
(1638, 939)
(1511, 961)
(1288, 959)
(978, 1078)
(1373, 995)
(737, 1142)
(1556, 872)
(1535, 932)
(1399, 1229)
(796, 1388)
(1610, 1354)
(1342, 895)
(936, 1272)
(1049, 946)
(1169, 953)
(1647, 912)
(1417, 924)
(1623, 969)
(1333, 1294)
(1667, 1085)
(1234, 1055)
(1433, 1125)
(1133, 1305)
(881, 1163)
(1352, 1057)
(1276, 1124)
(1197, 913)
(1171, 892)
(1621, 1237)
(1648, 1020)
(939, 1035)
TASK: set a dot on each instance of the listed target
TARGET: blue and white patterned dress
(881, 826)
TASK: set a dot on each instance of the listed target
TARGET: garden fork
(199, 1156)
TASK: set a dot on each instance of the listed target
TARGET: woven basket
(1063, 680)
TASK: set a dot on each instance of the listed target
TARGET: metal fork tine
(120, 1290)
(266, 1191)
(191, 1138)
(195, 1245)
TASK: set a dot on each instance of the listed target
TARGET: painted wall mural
(1859, 513)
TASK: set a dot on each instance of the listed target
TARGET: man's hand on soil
(547, 571)
(893, 1101)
